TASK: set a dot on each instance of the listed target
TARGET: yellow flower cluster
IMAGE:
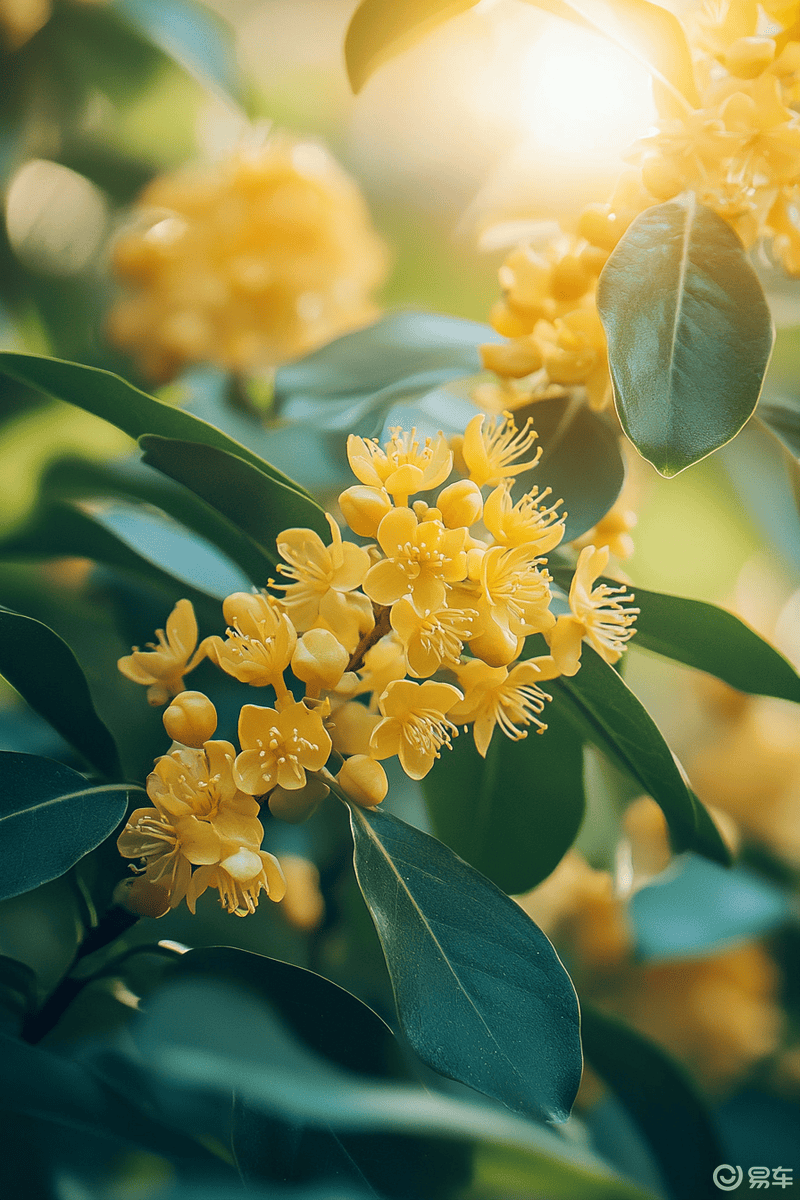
(259, 259)
(455, 587)
(739, 151)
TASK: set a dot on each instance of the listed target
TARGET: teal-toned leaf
(709, 638)
(514, 814)
(689, 333)
(260, 506)
(581, 461)
(134, 412)
(696, 906)
(659, 1097)
(46, 674)
(215, 1040)
(191, 34)
(481, 994)
(49, 818)
(324, 1017)
(381, 29)
(613, 719)
(395, 349)
(781, 415)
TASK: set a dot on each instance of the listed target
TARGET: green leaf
(115, 400)
(49, 818)
(689, 333)
(46, 674)
(581, 461)
(649, 33)
(660, 1099)
(781, 415)
(191, 34)
(381, 29)
(514, 814)
(260, 506)
(618, 724)
(481, 994)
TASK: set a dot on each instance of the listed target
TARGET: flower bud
(191, 719)
(142, 897)
(496, 646)
(297, 806)
(509, 323)
(600, 226)
(461, 504)
(512, 359)
(661, 177)
(303, 906)
(364, 508)
(748, 57)
(364, 780)
(569, 279)
(320, 660)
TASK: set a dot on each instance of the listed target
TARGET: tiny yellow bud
(569, 279)
(364, 780)
(513, 359)
(191, 719)
(319, 659)
(508, 323)
(303, 905)
(600, 226)
(297, 805)
(661, 177)
(364, 508)
(461, 504)
(142, 897)
(748, 57)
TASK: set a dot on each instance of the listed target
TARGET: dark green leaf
(514, 814)
(689, 333)
(708, 638)
(611, 716)
(481, 994)
(49, 818)
(695, 906)
(131, 410)
(381, 29)
(324, 1017)
(18, 993)
(46, 673)
(660, 1099)
(781, 415)
(260, 506)
(581, 461)
(191, 34)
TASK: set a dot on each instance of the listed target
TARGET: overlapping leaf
(46, 674)
(481, 994)
(49, 818)
(514, 814)
(613, 719)
(689, 333)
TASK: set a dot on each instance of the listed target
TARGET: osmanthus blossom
(404, 467)
(527, 523)
(498, 697)
(162, 666)
(432, 639)
(421, 558)
(490, 454)
(414, 724)
(239, 878)
(598, 614)
(278, 747)
(259, 642)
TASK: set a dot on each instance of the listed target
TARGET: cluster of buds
(254, 261)
(374, 651)
(739, 151)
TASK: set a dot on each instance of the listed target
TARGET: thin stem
(381, 627)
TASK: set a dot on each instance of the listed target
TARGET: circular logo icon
(727, 1177)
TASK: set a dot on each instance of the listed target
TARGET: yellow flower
(489, 456)
(201, 783)
(414, 725)
(162, 666)
(527, 522)
(515, 592)
(325, 581)
(421, 558)
(383, 663)
(574, 351)
(404, 467)
(278, 747)
(433, 639)
(260, 640)
(495, 696)
(320, 660)
(239, 878)
(597, 616)
(613, 531)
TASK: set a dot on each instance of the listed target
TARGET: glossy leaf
(514, 814)
(257, 504)
(660, 1099)
(709, 638)
(46, 674)
(781, 415)
(50, 816)
(115, 400)
(581, 461)
(618, 724)
(212, 1040)
(689, 333)
(481, 994)
(191, 34)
